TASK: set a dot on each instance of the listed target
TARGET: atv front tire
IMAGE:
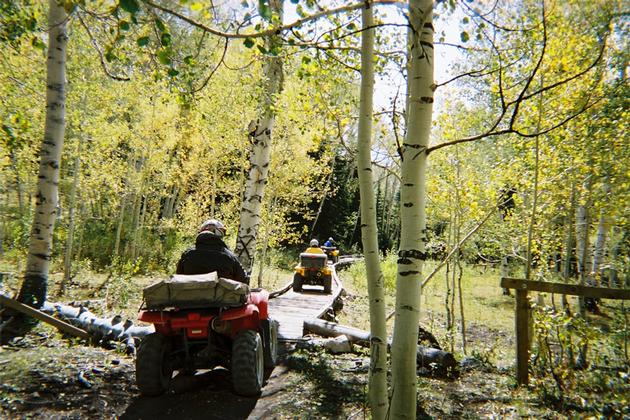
(248, 363)
(153, 368)
(297, 283)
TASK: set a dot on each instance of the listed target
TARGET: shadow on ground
(207, 395)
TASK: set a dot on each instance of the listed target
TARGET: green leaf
(165, 39)
(195, 7)
(465, 20)
(306, 59)
(124, 25)
(38, 43)
(464, 36)
(264, 10)
(130, 6)
(164, 57)
(143, 41)
(248, 42)
(172, 72)
(244, 3)
(160, 25)
(262, 49)
(351, 26)
(295, 1)
(189, 59)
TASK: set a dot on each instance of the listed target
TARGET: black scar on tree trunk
(33, 293)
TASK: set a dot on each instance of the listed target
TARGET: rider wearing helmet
(329, 243)
(210, 254)
(314, 248)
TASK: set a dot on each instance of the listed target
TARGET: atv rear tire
(153, 368)
(248, 363)
(270, 336)
(328, 284)
(297, 283)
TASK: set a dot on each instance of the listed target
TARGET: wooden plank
(565, 289)
(291, 309)
(522, 337)
(60, 325)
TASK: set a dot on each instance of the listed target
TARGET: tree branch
(100, 54)
(274, 30)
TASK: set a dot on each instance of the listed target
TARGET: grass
(489, 315)
(319, 384)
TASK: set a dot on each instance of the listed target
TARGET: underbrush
(579, 366)
(560, 383)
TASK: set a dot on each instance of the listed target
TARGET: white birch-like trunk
(413, 236)
(260, 137)
(582, 227)
(67, 259)
(121, 219)
(369, 233)
(34, 288)
(600, 242)
(19, 190)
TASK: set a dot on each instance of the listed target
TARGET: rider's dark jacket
(211, 254)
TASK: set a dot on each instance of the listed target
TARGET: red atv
(241, 337)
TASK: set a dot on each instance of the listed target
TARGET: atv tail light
(194, 316)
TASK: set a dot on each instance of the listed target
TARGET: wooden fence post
(522, 337)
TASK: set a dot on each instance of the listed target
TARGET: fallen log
(32, 312)
(102, 331)
(434, 360)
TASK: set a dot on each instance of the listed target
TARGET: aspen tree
(259, 132)
(34, 287)
(413, 236)
(369, 232)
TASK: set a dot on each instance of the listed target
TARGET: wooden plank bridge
(290, 309)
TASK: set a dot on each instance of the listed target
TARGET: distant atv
(332, 252)
(201, 322)
(313, 269)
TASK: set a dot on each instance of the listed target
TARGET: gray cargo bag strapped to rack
(195, 291)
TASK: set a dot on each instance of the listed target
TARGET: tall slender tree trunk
(260, 137)
(121, 219)
(600, 242)
(35, 284)
(369, 231)
(582, 226)
(72, 203)
(19, 190)
(413, 235)
(569, 245)
(532, 219)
